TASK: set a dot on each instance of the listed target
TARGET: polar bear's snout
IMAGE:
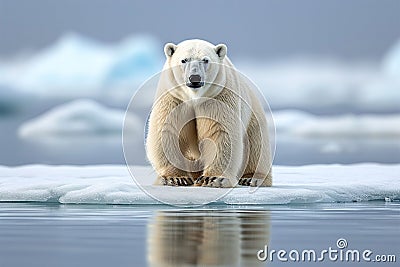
(195, 74)
(195, 81)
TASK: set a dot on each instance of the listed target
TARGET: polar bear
(207, 127)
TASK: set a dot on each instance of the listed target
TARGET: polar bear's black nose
(195, 79)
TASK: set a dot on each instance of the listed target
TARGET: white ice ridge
(298, 123)
(83, 117)
(108, 184)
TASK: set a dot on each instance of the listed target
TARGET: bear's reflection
(207, 238)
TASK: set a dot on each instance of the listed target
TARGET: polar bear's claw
(213, 181)
(177, 181)
(255, 182)
(203, 180)
(244, 181)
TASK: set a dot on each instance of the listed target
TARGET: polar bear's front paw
(246, 181)
(214, 182)
(254, 182)
(177, 181)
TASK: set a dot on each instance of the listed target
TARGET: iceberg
(12, 101)
(81, 118)
(136, 58)
(391, 61)
(77, 66)
(73, 63)
(112, 184)
(321, 84)
(303, 124)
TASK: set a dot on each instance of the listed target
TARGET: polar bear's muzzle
(195, 81)
(195, 71)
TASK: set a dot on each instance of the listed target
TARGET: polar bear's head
(197, 66)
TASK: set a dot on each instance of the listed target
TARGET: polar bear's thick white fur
(207, 126)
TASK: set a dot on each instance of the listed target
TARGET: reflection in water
(207, 238)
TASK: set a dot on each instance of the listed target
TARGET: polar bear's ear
(169, 49)
(221, 50)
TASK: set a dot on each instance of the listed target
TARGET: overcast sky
(349, 29)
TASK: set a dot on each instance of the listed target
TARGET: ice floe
(108, 184)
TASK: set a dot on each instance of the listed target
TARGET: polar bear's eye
(205, 60)
(184, 60)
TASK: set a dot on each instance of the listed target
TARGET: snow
(80, 118)
(112, 184)
(298, 123)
